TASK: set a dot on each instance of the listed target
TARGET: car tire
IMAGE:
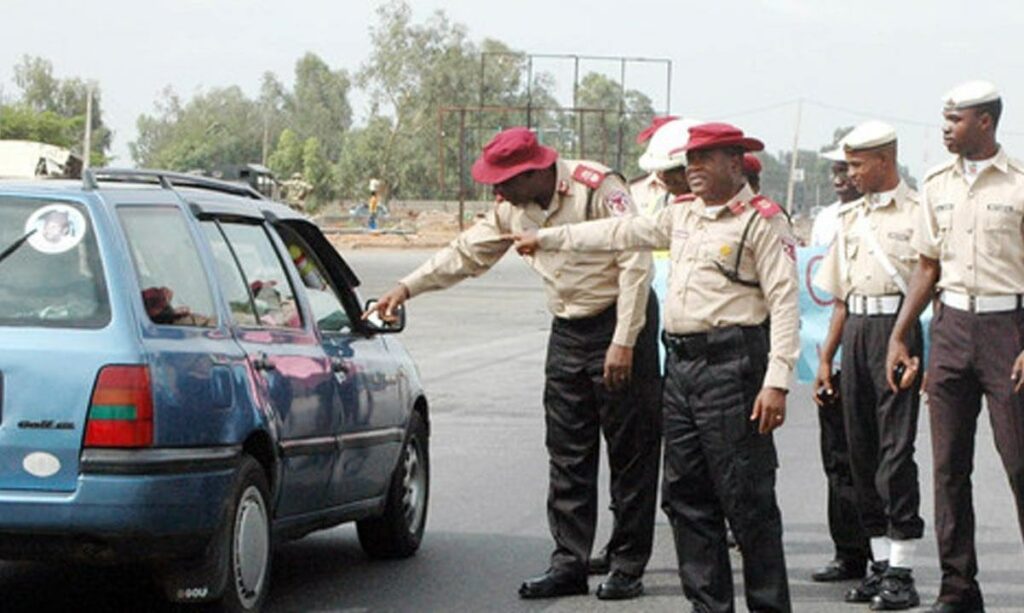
(249, 545)
(233, 575)
(398, 532)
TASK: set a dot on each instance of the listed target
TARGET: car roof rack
(167, 180)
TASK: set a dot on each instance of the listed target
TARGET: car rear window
(175, 290)
(50, 269)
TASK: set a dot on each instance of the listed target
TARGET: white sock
(880, 548)
(902, 553)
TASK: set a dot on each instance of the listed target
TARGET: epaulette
(1015, 164)
(684, 198)
(934, 170)
(765, 207)
(591, 177)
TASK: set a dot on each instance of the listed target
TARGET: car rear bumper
(134, 504)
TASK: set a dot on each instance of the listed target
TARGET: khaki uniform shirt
(648, 193)
(578, 284)
(851, 266)
(975, 231)
(700, 297)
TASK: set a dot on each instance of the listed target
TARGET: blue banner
(816, 311)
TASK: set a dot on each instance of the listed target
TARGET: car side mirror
(374, 323)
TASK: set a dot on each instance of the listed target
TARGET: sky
(743, 61)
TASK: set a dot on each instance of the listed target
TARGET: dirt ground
(423, 230)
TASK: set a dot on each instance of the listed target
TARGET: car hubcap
(415, 487)
(252, 546)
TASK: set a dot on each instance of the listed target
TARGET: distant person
(852, 551)
(867, 269)
(826, 222)
(971, 249)
(601, 374)
(373, 204)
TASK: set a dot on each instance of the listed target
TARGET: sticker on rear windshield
(56, 228)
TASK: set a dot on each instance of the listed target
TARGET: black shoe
(554, 583)
(870, 585)
(599, 564)
(897, 592)
(620, 586)
(955, 607)
(839, 570)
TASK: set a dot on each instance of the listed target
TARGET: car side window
(328, 309)
(265, 276)
(175, 291)
(232, 283)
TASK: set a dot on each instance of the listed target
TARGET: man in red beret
(727, 372)
(602, 362)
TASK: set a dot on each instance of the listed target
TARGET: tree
(286, 160)
(215, 129)
(41, 92)
(317, 170)
(610, 137)
(319, 106)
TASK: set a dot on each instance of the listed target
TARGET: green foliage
(286, 160)
(214, 129)
(319, 106)
(21, 122)
(317, 170)
(52, 110)
(602, 134)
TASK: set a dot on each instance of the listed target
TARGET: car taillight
(121, 411)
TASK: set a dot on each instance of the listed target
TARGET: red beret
(718, 135)
(510, 153)
(751, 165)
(646, 134)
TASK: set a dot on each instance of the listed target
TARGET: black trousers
(578, 408)
(971, 356)
(844, 525)
(881, 428)
(718, 467)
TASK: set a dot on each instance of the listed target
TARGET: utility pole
(1, 109)
(266, 135)
(792, 160)
(87, 146)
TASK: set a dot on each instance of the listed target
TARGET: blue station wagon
(186, 379)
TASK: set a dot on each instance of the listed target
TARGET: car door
(370, 431)
(288, 363)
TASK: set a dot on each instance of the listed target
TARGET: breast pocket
(898, 244)
(1002, 228)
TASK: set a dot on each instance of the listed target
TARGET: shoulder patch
(934, 170)
(765, 208)
(619, 203)
(1015, 164)
(591, 177)
(684, 198)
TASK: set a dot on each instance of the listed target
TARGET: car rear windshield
(50, 269)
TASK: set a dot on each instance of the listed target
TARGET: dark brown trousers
(881, 428)
(972, 355)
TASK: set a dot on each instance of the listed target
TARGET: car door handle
(339, 365)
(262, 362)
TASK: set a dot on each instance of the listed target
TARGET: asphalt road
(480, 348)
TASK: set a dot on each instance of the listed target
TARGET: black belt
(718, 345)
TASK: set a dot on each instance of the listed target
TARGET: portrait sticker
(57, 228)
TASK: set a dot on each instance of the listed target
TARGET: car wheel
(248, 554)
(397, 533)
(234, 573)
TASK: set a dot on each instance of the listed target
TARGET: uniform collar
(1000, 162)
(735, 205)
(881, 200)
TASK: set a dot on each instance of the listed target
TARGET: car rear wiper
(16, 244)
